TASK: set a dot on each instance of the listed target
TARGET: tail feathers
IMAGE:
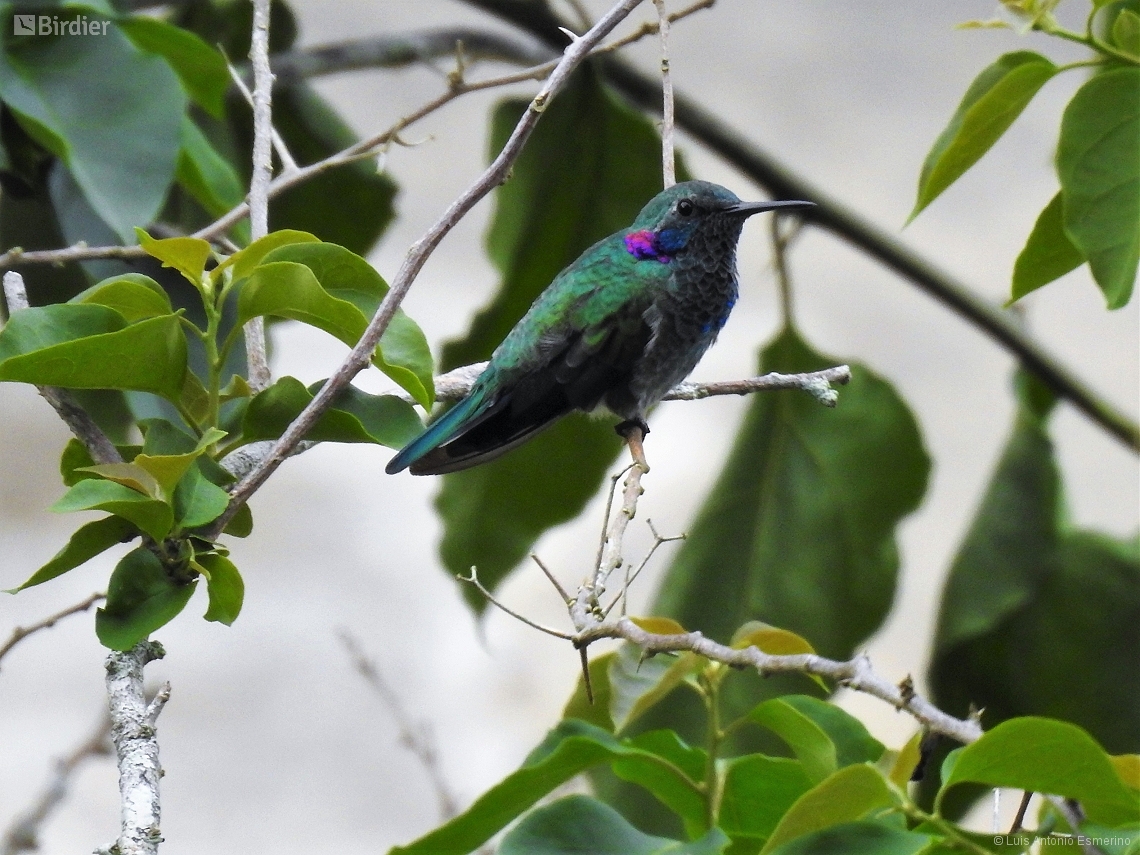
(440, 432)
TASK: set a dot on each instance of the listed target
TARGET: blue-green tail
(446, 427)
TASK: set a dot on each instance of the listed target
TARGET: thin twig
(133, 730)
(668, 164)
(288, 163)
(361, 354)
(566, 598)
(658, 542)
(473, 580)
(22, 632)
(22, 835)
(1019, 817)
(74, 416)
(614, 479)
(415, 736)
(262, 101)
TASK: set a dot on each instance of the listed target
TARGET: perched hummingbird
(619, 327)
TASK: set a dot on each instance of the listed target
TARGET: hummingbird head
(671, 220)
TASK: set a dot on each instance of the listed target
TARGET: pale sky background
(271, 743)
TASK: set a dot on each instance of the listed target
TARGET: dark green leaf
(90, 347)
(586, 172)
(848, 795)
(578, 824)
(1100, 178)
(1038, 619)
(205, 174)
(201, 69)
(572, 747)
(225, 586)
(853, 743)
(355, 416)
(403, 353)
(1046, 756)
(1048, 254)
(1126, 32)
(242, 523)
(141, 597)
(111, 112)
(995, 98)
(133, 295)
(152, 516)
(799, 529)
(758, 791)
(858, 838)
(671, 790)
(197, 501)
(88, 541)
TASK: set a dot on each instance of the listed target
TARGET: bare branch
(288, 163)
(74, 416)
(136, 746)
(415, 736)
(22, 834)
(473, 580)
(22, 632)
(566, 598)
(668, 165)
(361, 354)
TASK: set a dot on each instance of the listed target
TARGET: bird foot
(633, 431)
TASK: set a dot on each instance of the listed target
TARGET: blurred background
(271, 741)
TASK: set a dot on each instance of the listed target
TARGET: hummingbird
(617, 328)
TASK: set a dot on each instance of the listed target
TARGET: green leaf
(1048, 254)
(1126, 32)
(636, 686)
(572, 747)
(88, 541)
(111, 112)
(133, 295)
(848, 795)
(800, 526)
(1100, 179)
(150, 515)
(662, 781)
(403, 353)
(200, 68)
(775, 641)
(187, 255)
(141, 597)
(1038, 618)
(808, 741)
(198, 501)
(588, 169)
(205, 174)
(225, 587)
(355, 416)
(91, 347)
(995, 98)
(580, 824)
(858, 838)
(168, 469)
(245, 260)
(1047, 756)
(129, 475)
(757, 792)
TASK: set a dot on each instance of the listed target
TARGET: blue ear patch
(669, 241)
(644, 244)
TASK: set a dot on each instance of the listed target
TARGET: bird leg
(633, 431)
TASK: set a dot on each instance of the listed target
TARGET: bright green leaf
(1048, 254)
(133, 295)
(588, 169)
(152, 516)
(858, 838)
(1100, 178)
(906, 761)
(995, 98)
(774, 641)
(245, 260)
(197, 501)
(808, 741)
(200, 67)
(848, 795)
(225, 587)
(853, 743)
(168, 469)
(1047, 756)
(111, 111)
(354, 416)
(403, 353)
(141, 597)
(758, 791)
(88, 541)
(580, 824)
(1126, 32)
(187, 255)
(129, 475)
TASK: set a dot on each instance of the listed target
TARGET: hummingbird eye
(685, 208)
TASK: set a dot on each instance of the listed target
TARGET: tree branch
(22, 632)
(361, 354)
(74, 416)
(134, 733)
(22, 834)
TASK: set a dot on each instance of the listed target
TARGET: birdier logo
(54, 25)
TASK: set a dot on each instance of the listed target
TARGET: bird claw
(633, 432)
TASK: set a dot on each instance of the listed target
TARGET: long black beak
(747, 209)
